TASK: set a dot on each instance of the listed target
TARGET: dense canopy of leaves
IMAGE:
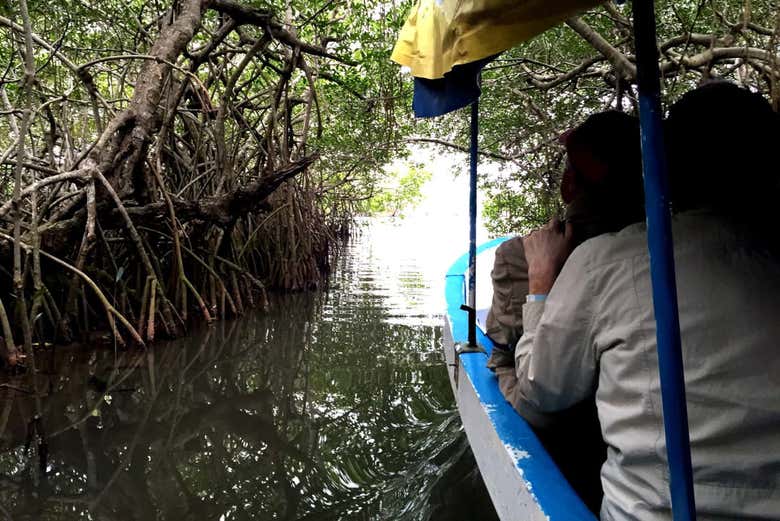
(537, 91)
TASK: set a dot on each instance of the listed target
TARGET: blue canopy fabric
(457, 89)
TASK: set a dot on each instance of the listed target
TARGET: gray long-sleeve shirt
(596, 331)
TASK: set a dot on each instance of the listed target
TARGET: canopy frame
(661, 247)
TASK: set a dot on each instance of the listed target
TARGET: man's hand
(546, 250)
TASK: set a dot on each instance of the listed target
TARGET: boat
(444, 44)
(521, 477)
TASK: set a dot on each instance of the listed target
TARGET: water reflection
(332, 406)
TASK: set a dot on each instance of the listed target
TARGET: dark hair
(720, 140)
(612, 138)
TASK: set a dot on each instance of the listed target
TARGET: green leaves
(400, 191)
(537, 91)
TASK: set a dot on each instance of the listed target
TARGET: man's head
(604, 156)
(721, 139)
(602, 184)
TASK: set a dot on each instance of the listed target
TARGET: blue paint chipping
(553, 494)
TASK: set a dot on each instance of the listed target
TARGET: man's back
(595, 330)
(729, 299)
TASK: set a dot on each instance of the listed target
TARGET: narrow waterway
(332, 406)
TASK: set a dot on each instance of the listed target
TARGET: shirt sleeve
(555, 359)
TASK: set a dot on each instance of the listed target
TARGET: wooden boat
(521, 477)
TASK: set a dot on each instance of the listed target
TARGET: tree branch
(547, 82)
(246, 15)
(618, 60)
(715, 55)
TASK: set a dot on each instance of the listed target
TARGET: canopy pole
(659, 241)
(472, 288)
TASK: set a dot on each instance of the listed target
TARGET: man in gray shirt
(590, 325)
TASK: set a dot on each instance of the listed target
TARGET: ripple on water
(333, 406)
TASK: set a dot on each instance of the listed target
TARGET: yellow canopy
(440, 34)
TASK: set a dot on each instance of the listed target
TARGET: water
(332, 406)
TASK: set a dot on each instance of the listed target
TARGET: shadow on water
(333, 406)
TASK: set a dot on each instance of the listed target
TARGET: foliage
(535, 92)
(401, 190)
(183, 155)
(366, 106)
(529, 205)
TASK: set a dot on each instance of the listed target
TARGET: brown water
(333, 406)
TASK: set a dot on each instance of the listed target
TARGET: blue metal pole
(659, 241)
(472, 295)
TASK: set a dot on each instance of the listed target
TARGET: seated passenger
(595, 331)
(602, 190)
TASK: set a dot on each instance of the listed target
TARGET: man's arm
(505, 318)
(556, 364)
